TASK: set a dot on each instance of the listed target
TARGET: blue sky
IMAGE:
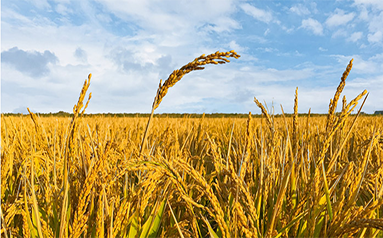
(49, 47)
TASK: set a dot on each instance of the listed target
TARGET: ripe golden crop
(269, 176)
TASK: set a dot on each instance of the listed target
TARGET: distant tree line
(173, 115)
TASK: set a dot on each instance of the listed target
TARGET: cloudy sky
(49, 47)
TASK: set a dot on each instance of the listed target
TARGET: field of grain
(285, 176)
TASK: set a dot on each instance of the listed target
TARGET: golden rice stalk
(100, 215)
(334, 101)
(81, 215)
(355, 225)
(196, 64)
(34, 119)
(63, 232)
(351, 105)
(278, 203)
(246, 159)
(362, 170)
(217, 158)
(295, 122)
(26, 232)
(334, 157)
(265, 113)
(175, 219)
(6, 167)
(349, 108)
(250, 203)
(344, 102)
(122, 216)
(70, 144)
(243, 220)
(46, 229)
(151, 186)
(26, 214)
(207, 189)
(70, 150)
(35, 208)
(294, 150)
(87, 102)
(79, 105)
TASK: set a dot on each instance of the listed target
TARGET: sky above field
(49, 47)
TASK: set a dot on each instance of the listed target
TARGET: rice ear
(334, 101)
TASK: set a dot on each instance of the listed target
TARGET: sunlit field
(269, 176)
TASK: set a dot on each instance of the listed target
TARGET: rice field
(269, 176)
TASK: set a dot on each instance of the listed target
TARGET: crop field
(286, 176)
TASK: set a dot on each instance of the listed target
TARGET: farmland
(301, 176)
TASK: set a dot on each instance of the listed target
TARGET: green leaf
(134, 225)
(211, 231)
(152, 224)
(326, 190)
(295, 220)
(318, 226)
(157, 220)
(32, 228)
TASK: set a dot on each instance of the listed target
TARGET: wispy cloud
(375, 28)
(259, 14)
(81, 54)
(313, 25)
(371, 11)
(338, 18)
(339, 33)
(356, 36)
(169, 16)
(300, 10)
(375, 37)
(372, 3)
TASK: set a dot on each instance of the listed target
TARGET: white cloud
(339, 33)
(375, 24)
(322, 49)
(267, 49)
(361, 66)
(171, 16)
(259, 14)
(299, 9)
(377, 57)
(63, 10)
(371, 12)
(375, 27)
(224, 24)
(376, 37)
(236, 47)
(41, 4)
(363, 14)
(373, 3)
(33, 63)
(313, 6)
(339, 18)
(81, 55)
(15, 17)
(104, 18)
(356, 36)
(312, 25)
